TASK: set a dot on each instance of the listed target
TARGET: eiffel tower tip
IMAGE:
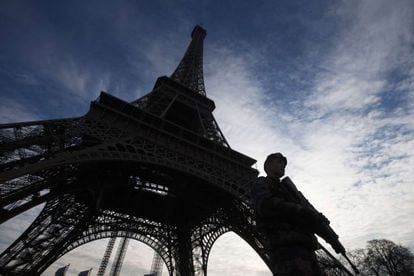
(198, 31)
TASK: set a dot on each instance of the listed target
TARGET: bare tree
(384, 257)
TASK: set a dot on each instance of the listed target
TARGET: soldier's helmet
(273, 156)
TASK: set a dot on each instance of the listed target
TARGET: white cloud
(354, 165)
(376, 41)
(243, 258)
(247, 124)
(77, 79)
(374, 149)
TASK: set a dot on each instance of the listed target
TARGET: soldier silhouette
(288, 224)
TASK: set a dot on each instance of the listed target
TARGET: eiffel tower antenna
(98, 174)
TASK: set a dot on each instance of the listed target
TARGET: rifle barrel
(335, 259)
(351, 264)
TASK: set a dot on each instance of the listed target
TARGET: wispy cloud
(13, 111)
(348, 150)
(244, 258)
(374, 141)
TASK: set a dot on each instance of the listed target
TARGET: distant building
(85, 273)
(62, 271)
(156, 267)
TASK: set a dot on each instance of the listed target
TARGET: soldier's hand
(313, 217)
(324, 219)
(338, 247)
(309, 214)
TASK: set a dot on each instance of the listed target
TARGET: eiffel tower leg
(203, 238)
(185, 259)
(200, 252)
(235, 217)
(56, 226)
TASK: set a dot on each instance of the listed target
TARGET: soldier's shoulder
(259, 186)
(262, 179)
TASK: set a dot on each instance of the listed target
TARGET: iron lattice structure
(157, 170)
(119, 258)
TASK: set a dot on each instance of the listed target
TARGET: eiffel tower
(157, 170)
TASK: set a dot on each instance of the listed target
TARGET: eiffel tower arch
(157, 170)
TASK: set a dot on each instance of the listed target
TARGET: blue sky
(328, 83)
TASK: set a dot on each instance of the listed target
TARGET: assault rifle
(322, 229)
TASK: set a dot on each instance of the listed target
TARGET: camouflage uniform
(280, 219)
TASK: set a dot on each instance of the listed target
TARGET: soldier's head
(275, 165)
